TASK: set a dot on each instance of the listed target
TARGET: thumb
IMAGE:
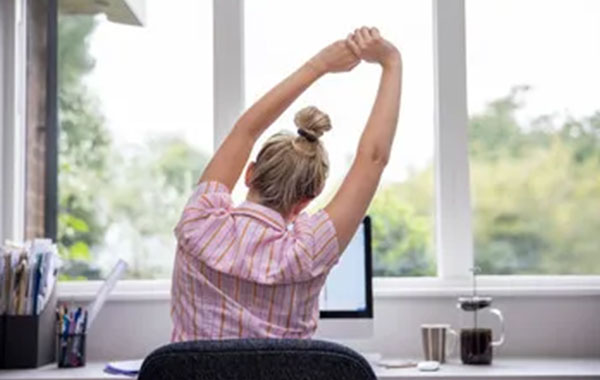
(353, 45)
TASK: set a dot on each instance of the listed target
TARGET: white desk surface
(531, 368)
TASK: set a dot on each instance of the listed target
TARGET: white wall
(564, 326)
(12, 122)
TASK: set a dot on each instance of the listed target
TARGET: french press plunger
(476, 344)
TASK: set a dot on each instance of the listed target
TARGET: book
(125, 367)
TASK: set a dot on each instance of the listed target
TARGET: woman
(256, 270)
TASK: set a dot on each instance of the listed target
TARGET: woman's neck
(255, 198)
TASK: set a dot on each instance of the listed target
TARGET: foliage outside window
(124, 177)
(535, 171)
(534, 149)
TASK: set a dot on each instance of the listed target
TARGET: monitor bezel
(368, 312)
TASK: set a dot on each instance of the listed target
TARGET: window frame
(52, 129)
(13, 95)
(454, 235)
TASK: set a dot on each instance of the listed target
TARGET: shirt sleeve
(209, 204)
(318, 239)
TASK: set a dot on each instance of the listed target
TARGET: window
(137, 128)
(534, 135)
(280, 36)
(135, 113)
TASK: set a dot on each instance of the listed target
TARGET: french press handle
(498, 314)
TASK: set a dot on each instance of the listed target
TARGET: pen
(71, 323)
(64, 337)
(65, 325)
(76, 339)
(85, 320)
(77, 320)
(59, 320)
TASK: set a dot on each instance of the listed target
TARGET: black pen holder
(71, 350)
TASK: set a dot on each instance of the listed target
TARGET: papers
(126, 367)
(27, 276)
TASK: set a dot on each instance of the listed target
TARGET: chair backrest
(255, 359)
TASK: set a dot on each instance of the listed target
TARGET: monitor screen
(347, 290)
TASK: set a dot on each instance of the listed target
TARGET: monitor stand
(344, 328)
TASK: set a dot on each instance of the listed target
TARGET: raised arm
(351, 201)
(231, 157)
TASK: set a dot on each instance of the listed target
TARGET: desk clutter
(71, 329)
(33, 331)
(72, 323)
(28, 274)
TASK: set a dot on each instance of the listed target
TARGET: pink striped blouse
(240, 272)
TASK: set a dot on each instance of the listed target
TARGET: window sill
(384, 288)
(502, 368)
(498, 286)
(127, 290)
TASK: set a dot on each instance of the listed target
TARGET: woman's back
(241, 272)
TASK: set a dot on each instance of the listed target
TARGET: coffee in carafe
(476, 346)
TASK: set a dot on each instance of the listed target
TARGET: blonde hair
(291, 168)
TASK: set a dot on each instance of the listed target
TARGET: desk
(92, 371)
(534, 368)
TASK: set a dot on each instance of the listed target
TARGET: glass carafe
(476, 321)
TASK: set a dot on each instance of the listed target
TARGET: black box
(29, 341)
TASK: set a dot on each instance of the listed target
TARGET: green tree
(107, 190)
(146, 197)
(536, 191)
(84, 146)
(402, 223)
(535, 194)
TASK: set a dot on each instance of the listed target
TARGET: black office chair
(255, 359)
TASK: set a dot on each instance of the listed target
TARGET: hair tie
(307, 135)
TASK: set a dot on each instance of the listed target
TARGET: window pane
(135, 133)
(534, 128)
(280, 36)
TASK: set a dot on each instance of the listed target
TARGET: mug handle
(451, 347)
(498, 314)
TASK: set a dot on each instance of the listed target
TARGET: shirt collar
(263, 213)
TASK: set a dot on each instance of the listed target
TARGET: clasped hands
(365, 44)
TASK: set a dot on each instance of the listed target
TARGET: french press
(476, 344)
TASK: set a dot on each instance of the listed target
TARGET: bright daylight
(145, 96)
(299, 189)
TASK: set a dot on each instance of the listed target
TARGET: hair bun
(312, 123)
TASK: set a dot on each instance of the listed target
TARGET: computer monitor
(346, 300)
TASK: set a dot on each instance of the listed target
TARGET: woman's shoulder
(314, 226)
(317, 237)
(210, 190)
